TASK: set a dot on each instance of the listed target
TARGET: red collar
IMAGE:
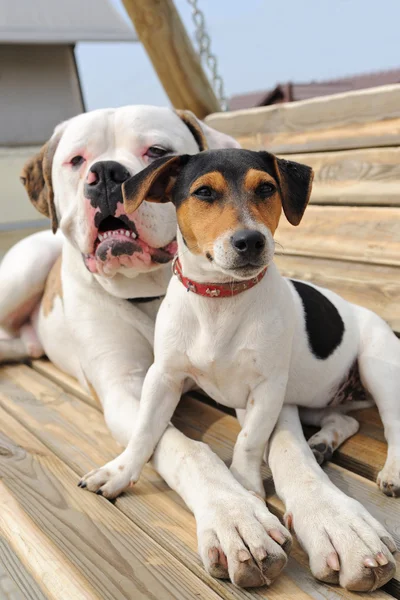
(215, 290)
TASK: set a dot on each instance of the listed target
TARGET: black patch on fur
(324, 325)
(120, 248)
(143, 300)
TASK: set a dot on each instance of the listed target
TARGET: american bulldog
(87, 297)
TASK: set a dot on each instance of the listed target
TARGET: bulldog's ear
(295, 183)
(153, 184)
(206, 137)
(36, 177)
(193, 124)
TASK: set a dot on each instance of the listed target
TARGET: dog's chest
(226, 370)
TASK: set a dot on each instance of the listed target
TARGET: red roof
(289, 92)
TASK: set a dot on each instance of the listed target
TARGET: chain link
(206, 56)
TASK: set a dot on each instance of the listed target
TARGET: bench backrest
(349, 239)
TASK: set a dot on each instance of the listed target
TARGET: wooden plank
(359, 119)
(60, 580)
(73, 429)
(376, 287)
(362, 234)
(13, 570)
(162, 33)
(355, 177)
(110, 557)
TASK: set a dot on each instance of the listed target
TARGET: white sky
(258, 43)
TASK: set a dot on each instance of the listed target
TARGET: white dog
(87, 327)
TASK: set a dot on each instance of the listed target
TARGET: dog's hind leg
(23, 274)
(336, 428)
(379, 364)
(16, 349)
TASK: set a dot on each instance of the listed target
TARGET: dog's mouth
(115, 229)
(118, 244)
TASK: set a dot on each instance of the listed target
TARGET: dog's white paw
(112, 479)
(389, 478)
(345, 544)
(240, 540)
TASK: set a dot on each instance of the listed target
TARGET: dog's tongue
(117, 245)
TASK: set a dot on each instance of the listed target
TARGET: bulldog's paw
(345, 544)
(240, 540)
(389, 478)
(112, 479)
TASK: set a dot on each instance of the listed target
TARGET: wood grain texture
(165, 40)
(376, 287)
(106, 555)
(59, 579)
(359, 119)
(77, 434)
(11, 564)
(362, 234)
(355, 177)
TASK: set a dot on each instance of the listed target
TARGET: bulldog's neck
(140, 285)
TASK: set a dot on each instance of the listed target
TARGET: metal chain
(206, 56)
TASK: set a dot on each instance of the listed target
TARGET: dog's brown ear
(295, 182)
(36, 177)
(195, 128)
(154, 183)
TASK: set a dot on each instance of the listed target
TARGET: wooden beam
(162, 33)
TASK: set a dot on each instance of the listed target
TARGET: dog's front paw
(112, 479)
(344, 542)
(389, 478)
(240, 540)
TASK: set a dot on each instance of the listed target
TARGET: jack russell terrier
(251, 339)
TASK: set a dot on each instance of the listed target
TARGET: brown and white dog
(86, 325)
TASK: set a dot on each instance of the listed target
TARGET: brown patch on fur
(53, 288)
(36, 177)
(201, 223)
(254, 177)
(268, 211)
(121, 467)
(252, 401)
(213, 179)
(195, 128)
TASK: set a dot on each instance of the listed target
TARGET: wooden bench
(57, 541)
(349, 239)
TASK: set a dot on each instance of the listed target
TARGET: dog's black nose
(103, 185)
(108, 171)
(248, 243)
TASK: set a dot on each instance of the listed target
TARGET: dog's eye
(204, 192)
(77, 161)
(157, 152)
(265, 189)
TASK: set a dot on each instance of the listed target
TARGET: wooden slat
(361, 119)
(72, 430)
(60, 580)
(355, 177)
(362, 234)
(376, 287)
(11, 564)
(101, 553)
